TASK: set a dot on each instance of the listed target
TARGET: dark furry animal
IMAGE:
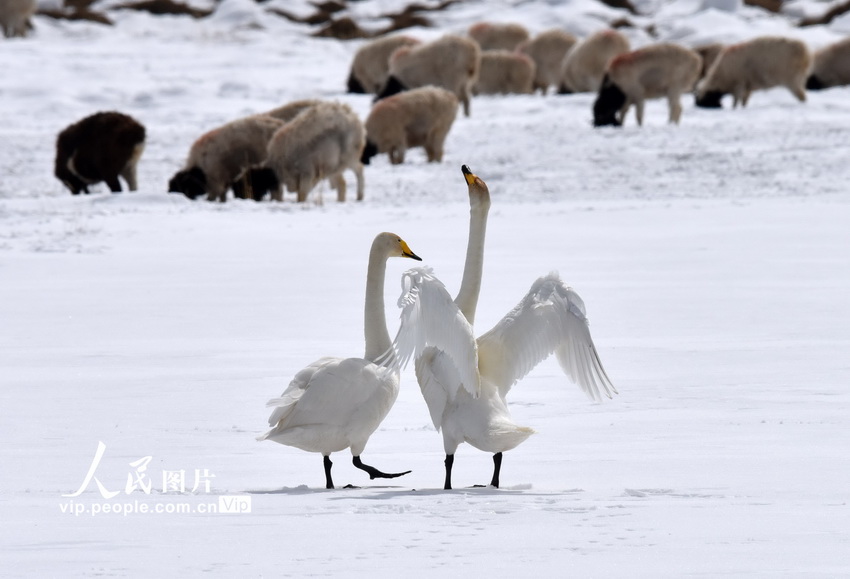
(710, 100)
(191, 182)
(608, 103)
(369, 151)
(100, 147)
(255, 183)
(392, 86)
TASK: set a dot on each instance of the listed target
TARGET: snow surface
(712, 257)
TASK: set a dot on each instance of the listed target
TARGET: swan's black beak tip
(465, 170)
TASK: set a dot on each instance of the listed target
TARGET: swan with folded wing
(337, 403)
(465, 380)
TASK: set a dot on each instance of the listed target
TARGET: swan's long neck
(377, 336)
(470, 285)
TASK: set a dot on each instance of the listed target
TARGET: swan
(337, 403)
(465, 380)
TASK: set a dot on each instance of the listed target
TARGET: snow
(712, 258)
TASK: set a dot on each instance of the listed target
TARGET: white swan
(472, 408)
(337, 403)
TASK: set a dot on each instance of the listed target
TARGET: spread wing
(431, 319)
(550, 318)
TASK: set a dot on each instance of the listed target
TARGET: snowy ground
(713, 259)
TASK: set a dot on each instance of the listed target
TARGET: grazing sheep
(492, 36)
(504, 72)
(15, 15)
(708, 53)
(101, 147)
(586, 63)
(371, 64)
(450, 62)
(757, 64)
(291, 110)
(831, 66)
(321, 143)
(421, 117)
(221, 154)
(548, 50)
(660, 70)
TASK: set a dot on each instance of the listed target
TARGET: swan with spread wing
(337, 403)
(465, 380)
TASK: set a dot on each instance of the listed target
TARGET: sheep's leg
(799, 90)
(624, 111)
(129, 175)
(465, 98)
(113, 183)
(339, 184)
(674, 101)
(358, 172)
(396, 156)
(639, 104)
(746, 97)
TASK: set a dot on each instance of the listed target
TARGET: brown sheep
(493, 36)
(504, 72)
(421, 117)
(220, 155)
(450, 62)
(100, 147)
(291, 110)
(585, 64)
(831, 66)
(659, 70)
(371, 64)
(320, 143)
(548, 50)
(757, 64)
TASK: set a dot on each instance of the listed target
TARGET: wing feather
(549, 319)
(431, 319)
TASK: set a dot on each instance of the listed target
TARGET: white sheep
(504, 72)
(320, 143)
(15, 15)
(493, 36)
(548, 50)
(451, 62)
(757, 64)
(585, 64)
(220, 155)
(831, 66)
(371, 64)
(100, 147)
(660, 70)
(420, 117)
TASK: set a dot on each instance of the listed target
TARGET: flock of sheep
(419, 87)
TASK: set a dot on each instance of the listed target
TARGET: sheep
(831, 66)
(504, 72)
(289, 111)
(708, 53)
(548, 50)
(15, 16)
(757, 64)
(492, 36)
(450, 62)
(371, 64)
(100, 147)
(585, 64)
(320, 143)
(420, 117)
(659, 70)
(221, 154)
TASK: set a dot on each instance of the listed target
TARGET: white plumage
(337, 403)
(438, 332)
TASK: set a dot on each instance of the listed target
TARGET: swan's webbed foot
(329, 483)
(374, 472)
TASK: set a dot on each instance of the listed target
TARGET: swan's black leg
(450, 460)
(329, 483)
(374, 472)
(497, 467)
